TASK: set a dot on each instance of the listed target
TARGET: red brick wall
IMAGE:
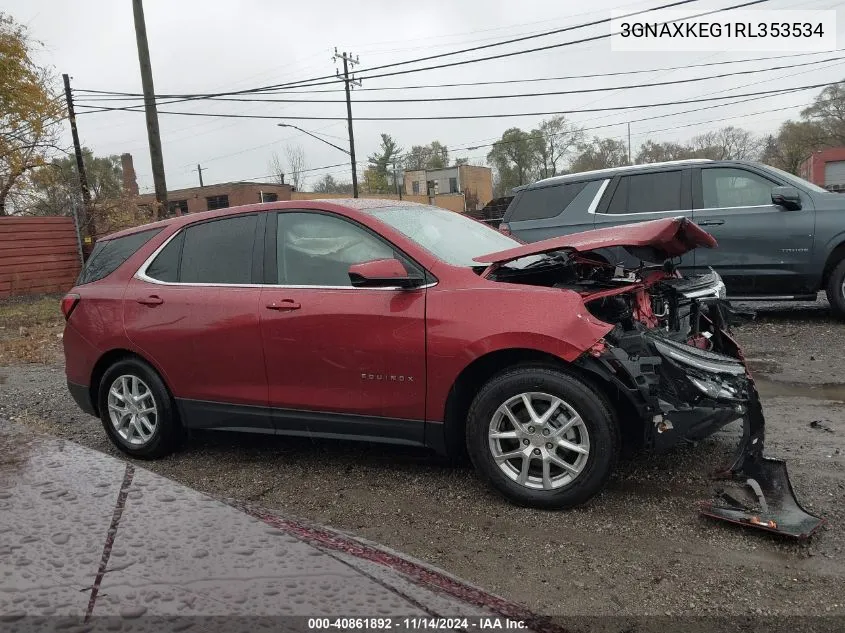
(37, 255)
(812, 169)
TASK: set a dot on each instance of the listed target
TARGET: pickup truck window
(725, 187)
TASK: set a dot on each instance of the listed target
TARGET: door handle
(710, 222)
(284, 305)
(152, 300)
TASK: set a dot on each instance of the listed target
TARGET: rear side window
(548, 202)
(108, 255)
(165, 267)
(219, 252)
(647, 193)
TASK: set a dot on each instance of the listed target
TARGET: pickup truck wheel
(137, 411)
(542, 438)
(836, 290)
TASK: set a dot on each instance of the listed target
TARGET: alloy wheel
(132, 410)
(539, 441)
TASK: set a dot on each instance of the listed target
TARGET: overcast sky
(218, 45)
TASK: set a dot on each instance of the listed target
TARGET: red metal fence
(37, 255)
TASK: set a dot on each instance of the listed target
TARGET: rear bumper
(82, 396)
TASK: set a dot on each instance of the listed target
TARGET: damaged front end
(686, 376)
(670, 354)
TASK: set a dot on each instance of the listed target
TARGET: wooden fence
(37, 255)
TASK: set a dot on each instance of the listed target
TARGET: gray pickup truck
(780, 237)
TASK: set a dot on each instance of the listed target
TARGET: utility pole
(629, 144)
(347, 61)
(199, 171)
(77, 148)
(396, 180)
(153, 135)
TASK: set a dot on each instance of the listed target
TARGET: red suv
(406, 324)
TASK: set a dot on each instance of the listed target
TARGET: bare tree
(727, 143)
(555, 140)
(277, 169)
(297, 164)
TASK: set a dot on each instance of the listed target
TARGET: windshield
(449, 236)
(795, 180)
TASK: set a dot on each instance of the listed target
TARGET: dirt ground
(638, 549)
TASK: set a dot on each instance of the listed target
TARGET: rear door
(640, 197)
(763, 248)
(540, 213)
(193, 311)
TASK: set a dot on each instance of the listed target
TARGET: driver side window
(724, 187)
(316, 249)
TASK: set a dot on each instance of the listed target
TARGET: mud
(638, 549)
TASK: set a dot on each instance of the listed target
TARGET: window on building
(219, 252)
(728, 187)
(647, 193)
(453, 185)
(180, 205)
(268, 197)
(217, 202)
(314, 249)
(415, 187)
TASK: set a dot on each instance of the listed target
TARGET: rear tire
(570, 454)
(836, 290)
(137, 411)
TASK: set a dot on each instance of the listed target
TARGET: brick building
(459, 188)
(220, 196)
(825, 168)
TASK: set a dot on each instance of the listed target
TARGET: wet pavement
(85, 537)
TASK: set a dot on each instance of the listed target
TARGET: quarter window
(219, 252)
(730, 187)
(547, 202)
(314, 249)
(108, 255)
(647, 193)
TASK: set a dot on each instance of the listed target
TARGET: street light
(313, 136)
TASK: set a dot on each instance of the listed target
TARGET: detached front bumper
(686, 393)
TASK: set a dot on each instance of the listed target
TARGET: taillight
(69, 302)
(504, 228)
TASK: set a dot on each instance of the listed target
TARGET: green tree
(55, 187)
(29, 110)
(794, 142)
(657, 152)
(555, 140)
(381, 164)
(432, 156)
(514, 159)
(828, 112)
(600, 153)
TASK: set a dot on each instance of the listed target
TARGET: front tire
(137, 411)
(836, 290)
(542, 438)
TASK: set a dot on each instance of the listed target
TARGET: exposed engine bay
(671, 357)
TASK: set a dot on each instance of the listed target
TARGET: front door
(341, 361)
(763, 249)
(194, 313)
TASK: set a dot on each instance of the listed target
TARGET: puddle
(763, 365)
(769, 388)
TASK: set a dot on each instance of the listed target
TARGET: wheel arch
(470, 380)
(108, 359)
(836, 255)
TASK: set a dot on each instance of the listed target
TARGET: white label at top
(724, 31)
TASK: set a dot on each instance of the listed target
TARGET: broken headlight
(716, 388)
(704, 360)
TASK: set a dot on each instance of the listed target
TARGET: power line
(533, 94)
(481, 116)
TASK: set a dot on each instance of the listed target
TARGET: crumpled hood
(665, 238)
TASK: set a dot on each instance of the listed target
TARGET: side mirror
(382, 273)
(786, 197)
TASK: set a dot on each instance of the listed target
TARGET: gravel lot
(637, 549)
